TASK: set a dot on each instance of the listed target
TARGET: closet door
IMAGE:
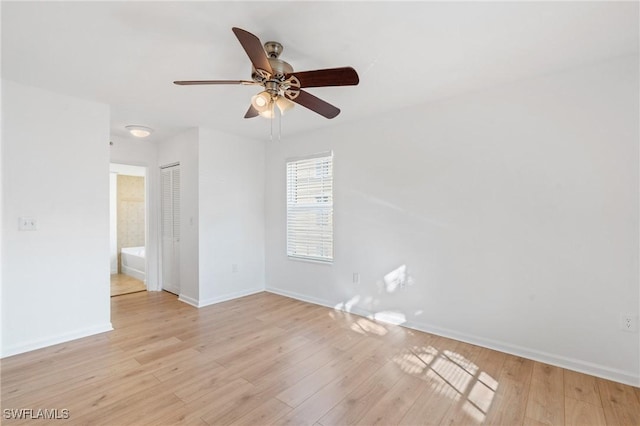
(170, 186)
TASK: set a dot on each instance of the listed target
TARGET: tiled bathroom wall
(131, 225)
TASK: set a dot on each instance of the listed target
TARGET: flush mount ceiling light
(139, 131)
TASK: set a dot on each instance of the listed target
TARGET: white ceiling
(126, 54)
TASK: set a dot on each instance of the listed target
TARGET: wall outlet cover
(629, 323)
(27, 224)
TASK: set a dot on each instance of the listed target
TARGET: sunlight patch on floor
(453, 376)
(365, 326)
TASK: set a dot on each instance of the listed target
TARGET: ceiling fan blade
(345, 76)
(315, 104)
(196, 82)
(251, 112)
(254, 49)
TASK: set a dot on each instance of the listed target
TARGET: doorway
(170, 228)
(128, 219)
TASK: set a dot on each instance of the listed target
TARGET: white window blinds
(310, 208)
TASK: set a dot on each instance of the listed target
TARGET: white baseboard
(219, 299)
(172, 289)
(230, 296)
(126, 270)
(621, 376)
(302, 297)
(574, 364)
(50, 341)
(188, 300)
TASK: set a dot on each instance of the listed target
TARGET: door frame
(147, 218)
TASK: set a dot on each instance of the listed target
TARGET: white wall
(55, 169)
(222, 214)
(514, 211)
(231, 194)
(140, 152)
(183, 148)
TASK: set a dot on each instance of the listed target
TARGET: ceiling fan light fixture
(284, 104)
(261, 101)
(139, 131)
(268, 113)
(278, 79)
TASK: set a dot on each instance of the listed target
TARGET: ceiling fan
(282, 86)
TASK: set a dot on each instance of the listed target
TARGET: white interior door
(171, 228)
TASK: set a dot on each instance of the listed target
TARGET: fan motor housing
(273, 49)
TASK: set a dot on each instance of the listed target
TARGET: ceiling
(126, 54)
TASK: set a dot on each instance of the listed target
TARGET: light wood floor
(124, 284)
(266, 359)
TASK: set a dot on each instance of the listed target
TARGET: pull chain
(271, 122)
(275, 111)
(279, 125)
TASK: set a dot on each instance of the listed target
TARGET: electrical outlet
(356, 278)
(628, 322)
(27, 224)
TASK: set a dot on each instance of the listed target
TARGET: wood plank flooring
(124, 284)
(266, 359)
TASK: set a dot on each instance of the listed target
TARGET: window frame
(321, 256)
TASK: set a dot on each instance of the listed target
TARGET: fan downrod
(273, 49)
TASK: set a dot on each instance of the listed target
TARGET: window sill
(307, 260)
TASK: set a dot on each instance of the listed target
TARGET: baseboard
(131, 272)
(573, 364)
(298, 296)
(219, 299)
(188, 300)
(50, 341)
(174, 290)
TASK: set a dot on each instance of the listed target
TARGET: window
(310, 208)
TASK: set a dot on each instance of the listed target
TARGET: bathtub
(132, 262)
